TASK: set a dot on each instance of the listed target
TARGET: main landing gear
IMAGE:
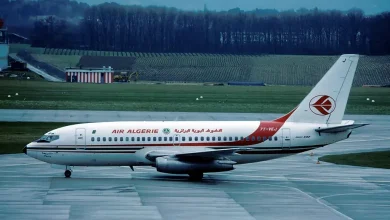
(196, 176)
(68, 172)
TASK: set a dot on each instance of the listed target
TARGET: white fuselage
(128, 143)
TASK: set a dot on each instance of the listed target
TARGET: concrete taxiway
(294, 187)
(79, 116)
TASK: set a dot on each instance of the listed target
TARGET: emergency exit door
(176, 140)
(286, 138)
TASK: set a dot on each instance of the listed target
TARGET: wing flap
(340, 128)
(206, 154)
(212, 154)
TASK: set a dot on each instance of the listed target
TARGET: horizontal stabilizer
(339, 128)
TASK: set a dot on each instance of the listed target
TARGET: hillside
(196, 67)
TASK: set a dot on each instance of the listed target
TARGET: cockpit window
(48, 138)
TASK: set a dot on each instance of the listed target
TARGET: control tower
(4, 46)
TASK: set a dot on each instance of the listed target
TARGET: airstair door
(80, 138)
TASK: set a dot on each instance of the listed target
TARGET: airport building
(95, 75)
(4, 46)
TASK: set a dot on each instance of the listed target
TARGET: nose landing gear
(68, 173)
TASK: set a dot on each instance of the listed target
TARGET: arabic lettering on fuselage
(197, 131)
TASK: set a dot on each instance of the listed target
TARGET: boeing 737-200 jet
(197, 147)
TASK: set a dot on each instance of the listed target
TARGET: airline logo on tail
(322, 105)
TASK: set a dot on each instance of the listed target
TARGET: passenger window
(242, 138)
(132, 138)
(247, 139)
(253, 138)
(115, 139)
(258, 138)
(183, 139)
(143, 138)
(176, 138)
(104, 139)
(98, 139)
(165, 139)
(213, 138)
(121, 138)
(190, 139)
(149, 138)
(154, 138)
(264, 138)
(127, 139)
(170, 138)
(207, 138)
(236, 138)
(219, 138)
(110, 139)
(92, 139)
(225, 138)
(230, 138)
(196, 138)
(275, 138)
(159, 138)
(270, 138)
(201, 138)
(138, 139)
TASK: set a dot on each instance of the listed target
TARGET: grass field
(59, 61)
(367, 159)
(14, 135)
(148, 97)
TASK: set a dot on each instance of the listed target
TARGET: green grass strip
(379, 159)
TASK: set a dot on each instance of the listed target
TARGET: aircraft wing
(206, 154)
(340, 128)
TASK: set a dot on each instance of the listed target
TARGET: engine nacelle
(172, 165)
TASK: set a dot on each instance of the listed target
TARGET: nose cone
(25, 150)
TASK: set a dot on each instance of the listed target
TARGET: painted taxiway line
(22, 164)
(365, 140)
(324, 204)
(321, 179)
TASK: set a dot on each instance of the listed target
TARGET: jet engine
(175, 166)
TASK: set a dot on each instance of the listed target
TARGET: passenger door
(80, 138)
(286, 139)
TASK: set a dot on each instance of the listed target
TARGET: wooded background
(113, 27)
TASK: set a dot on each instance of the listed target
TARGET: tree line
(113, 27)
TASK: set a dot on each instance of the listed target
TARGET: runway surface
(294, 187)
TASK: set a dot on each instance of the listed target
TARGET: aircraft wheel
(68, 173)
(196, 176)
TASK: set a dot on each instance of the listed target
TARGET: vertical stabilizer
(326, 102)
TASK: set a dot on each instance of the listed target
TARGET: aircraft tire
(67, 173)
(196, 176)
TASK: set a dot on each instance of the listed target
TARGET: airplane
(198, 147)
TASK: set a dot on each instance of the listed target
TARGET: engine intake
(175, 166)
